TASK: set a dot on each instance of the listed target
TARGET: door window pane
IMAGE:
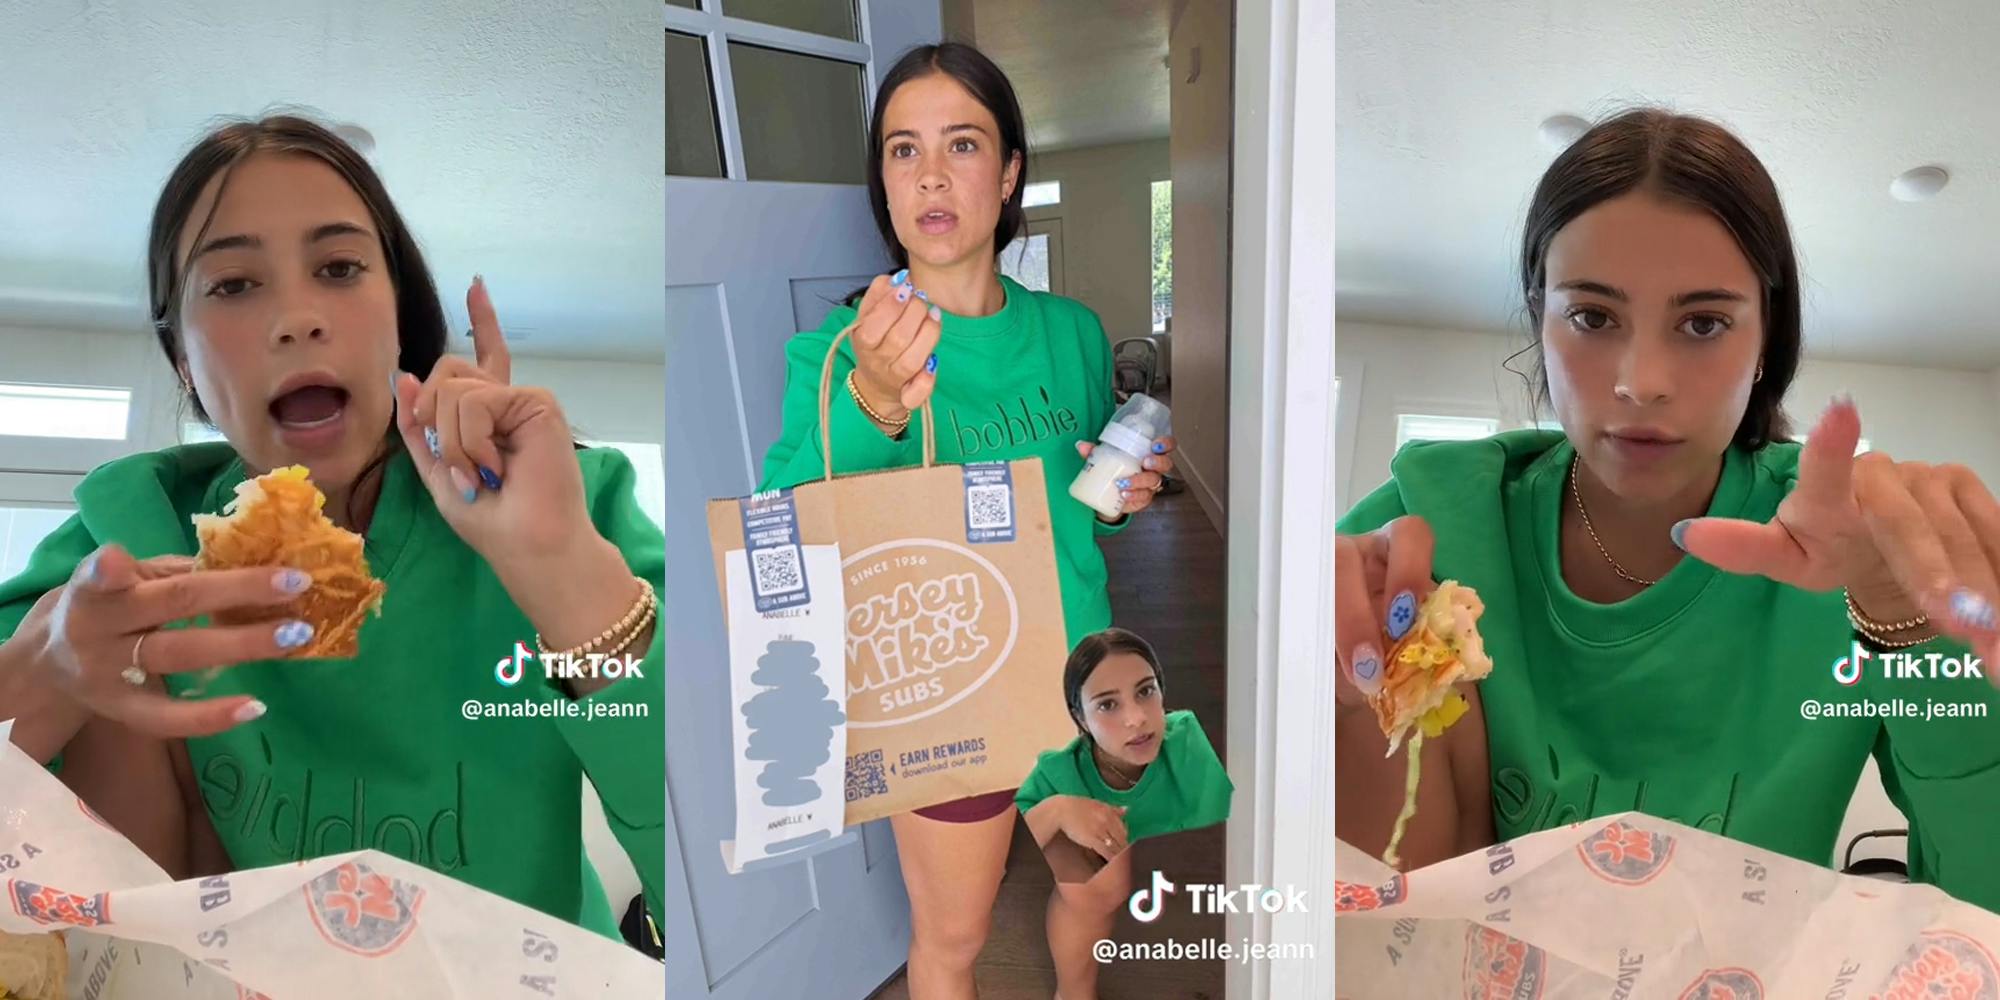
(689, 4)
(21, 529)
(64, 411)
(1042, 193)
(1426, 427)
(834, 18)
(1026, 260)
(801, 116)
(694, 147)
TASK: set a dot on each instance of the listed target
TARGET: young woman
(1134, 771)
(295, 307)
(1659, 271)
(946, 169)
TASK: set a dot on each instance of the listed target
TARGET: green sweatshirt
(1028, 381)
(1684, 701)
(374, 752)
(1185, 788)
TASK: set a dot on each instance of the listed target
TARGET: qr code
(991, 507)
(865, 776)
(778, 571)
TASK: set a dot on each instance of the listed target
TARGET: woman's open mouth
(937, 222)
(1142, 743)
(309, 412)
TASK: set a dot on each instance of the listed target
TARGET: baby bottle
(1124, 444)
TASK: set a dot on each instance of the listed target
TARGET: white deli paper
(1633, 906)
(360, 924)
(788, 698)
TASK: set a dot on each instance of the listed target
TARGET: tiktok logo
(1847, 669)
(508, 671)
(1154, 898)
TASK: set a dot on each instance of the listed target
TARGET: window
(1860, 446)
(766, 90)
(1163, 254)
(1035, 258)
(196, 432)
(21, 529)
(1545, 425)
(1042, 193)
(64, 411)
(1429, 427)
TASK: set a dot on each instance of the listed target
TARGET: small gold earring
(1759, 377)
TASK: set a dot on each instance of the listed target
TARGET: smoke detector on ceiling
(1921, 184)
(1559, 132)
(354, 135)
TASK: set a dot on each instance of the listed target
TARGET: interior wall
(1200, 66)
(1107, 227)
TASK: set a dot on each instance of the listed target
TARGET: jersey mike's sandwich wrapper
(358, 924)
(1632, 906)
(952, 634)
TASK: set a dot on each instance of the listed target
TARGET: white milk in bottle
(1123, 445)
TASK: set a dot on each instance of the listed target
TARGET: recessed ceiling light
(354, 135)
(1560, 131)
(1921, 184)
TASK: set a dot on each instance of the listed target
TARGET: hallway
(1166, 585)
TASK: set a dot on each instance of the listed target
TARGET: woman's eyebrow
(906, 133)
(1710, 295)
(325, 231)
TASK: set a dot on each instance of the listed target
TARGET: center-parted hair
(1696, 162)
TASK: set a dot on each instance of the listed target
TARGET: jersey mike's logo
(1945, 964)
(928, 623)
(1725, 984)
(1354, 897)
(362, 910)
(1625, 854)
(1499, 966)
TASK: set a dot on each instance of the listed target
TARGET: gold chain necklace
(1104, 760)
(1577, 491)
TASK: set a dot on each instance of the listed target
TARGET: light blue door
(772, 229)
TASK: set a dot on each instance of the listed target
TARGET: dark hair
(1092, 650)
(420, 321)
(990, 87)
(1700, 163)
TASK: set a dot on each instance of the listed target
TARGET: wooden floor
(1167, 585)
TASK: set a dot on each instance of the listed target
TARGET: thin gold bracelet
(1879, 632)
(861, 401)
(641, 609)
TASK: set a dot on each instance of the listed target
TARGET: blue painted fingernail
(1159, 449)
(293, 634)
(486, 476)
(903, 294)
(1402, 614)
(1679, 533)
(431, 438)
(1971, 610)
(292, 581)
(937, 314)
(901, 276)
(1367, 669)
(1124, 484)
(922, 296)
(931, 364)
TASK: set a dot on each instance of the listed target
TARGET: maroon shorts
(976, 809)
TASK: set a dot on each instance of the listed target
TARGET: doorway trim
(1281, 505)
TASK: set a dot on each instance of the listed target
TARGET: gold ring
(135, 674)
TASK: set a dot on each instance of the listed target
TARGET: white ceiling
(1438, 105)
(1087, 73)
(521, 139)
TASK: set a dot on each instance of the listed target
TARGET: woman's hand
(436, 405)
(1380, 580)
(97, 642)
(1094, 825)
(1139, 490)
(1904, 538)
(895, 339)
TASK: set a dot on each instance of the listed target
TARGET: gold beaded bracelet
(626, 630)
(1878, 633)
(896, 426)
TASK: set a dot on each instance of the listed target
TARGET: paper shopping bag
(952, 632)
